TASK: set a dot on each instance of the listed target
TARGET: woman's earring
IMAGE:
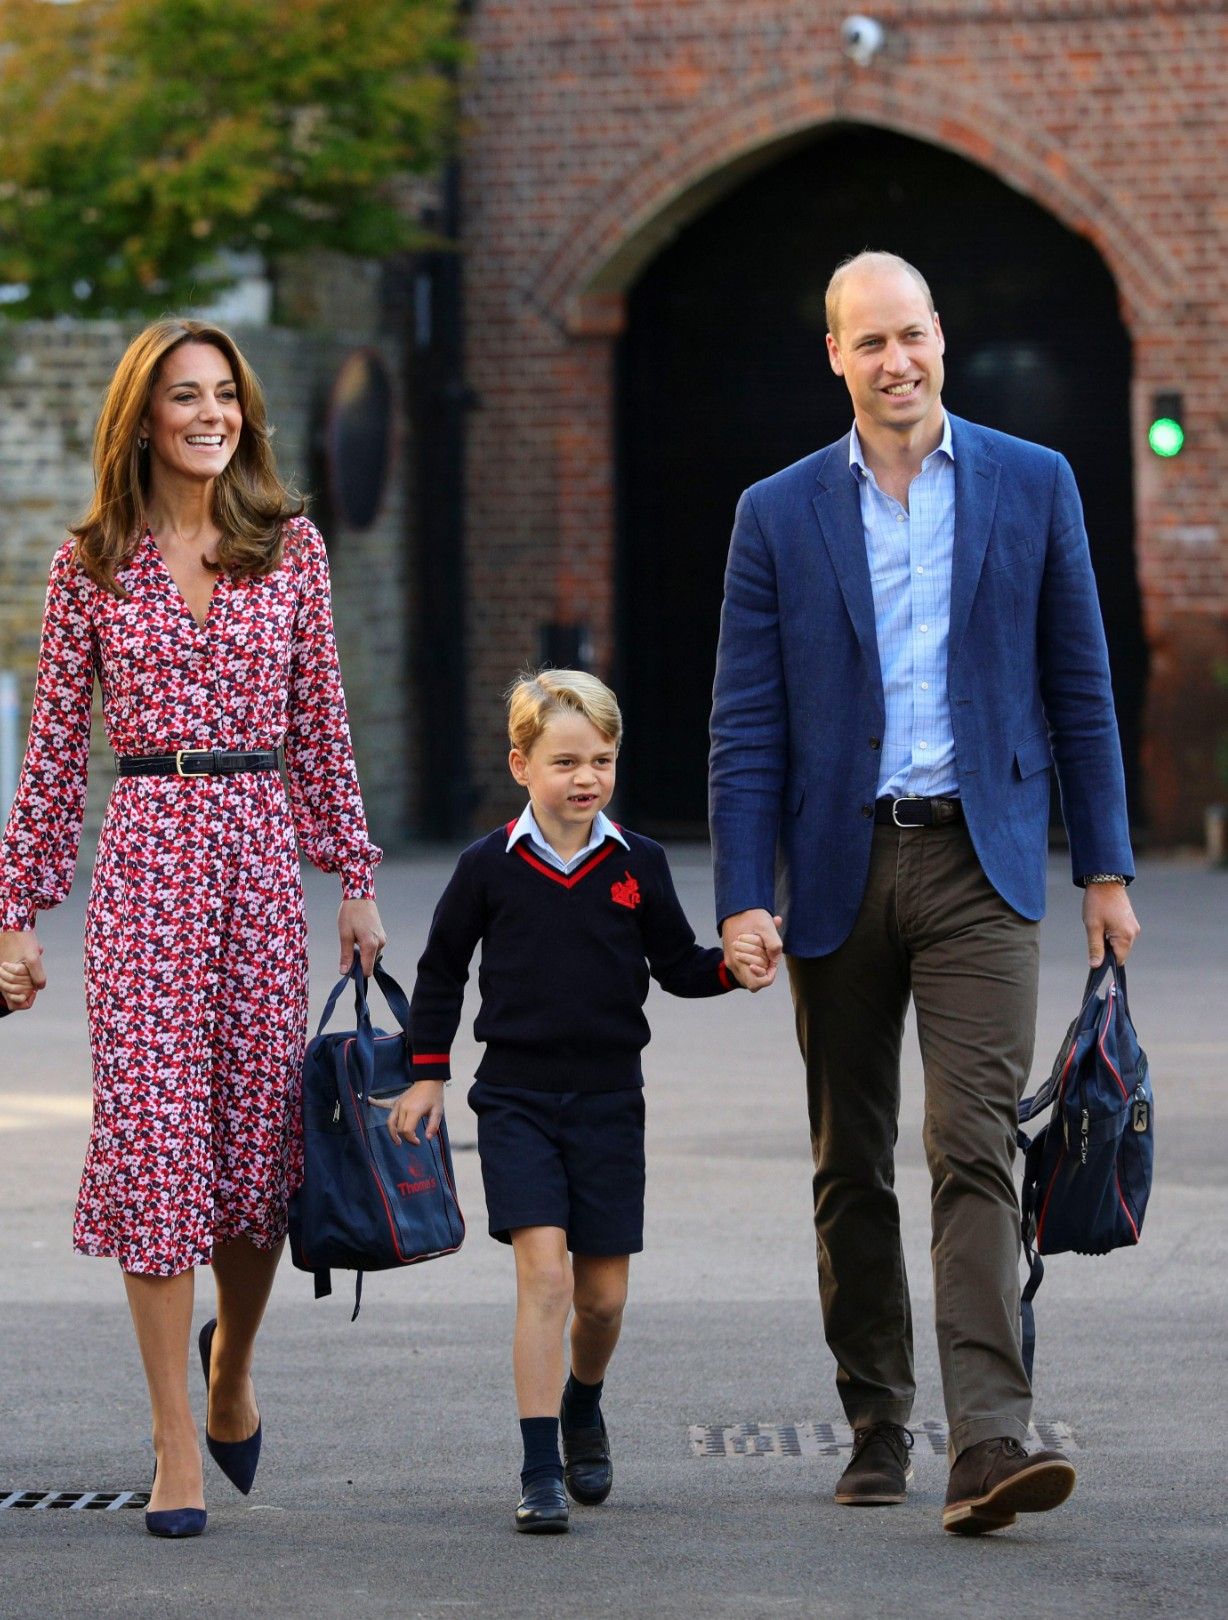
(142, 443)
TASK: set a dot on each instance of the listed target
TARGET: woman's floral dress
(195, 942)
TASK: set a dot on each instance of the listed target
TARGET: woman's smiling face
(194, 418)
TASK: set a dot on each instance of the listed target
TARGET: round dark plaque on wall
(358, 437)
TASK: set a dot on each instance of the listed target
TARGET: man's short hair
(536, 695)
(855, 261)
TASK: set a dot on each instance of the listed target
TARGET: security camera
(862, 39)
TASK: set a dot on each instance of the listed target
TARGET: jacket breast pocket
(1033, 754)
(1010, 554)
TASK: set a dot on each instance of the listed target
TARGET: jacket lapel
(837, 505)
(976, 499)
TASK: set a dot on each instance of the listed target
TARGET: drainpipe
(442, 399)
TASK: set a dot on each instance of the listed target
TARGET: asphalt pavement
(391, 1447)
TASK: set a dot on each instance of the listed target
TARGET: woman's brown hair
(250, 502)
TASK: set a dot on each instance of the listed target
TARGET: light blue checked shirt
(910, 553)
(527, 827)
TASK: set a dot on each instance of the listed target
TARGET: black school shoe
(542, 1509)
(879, 1469)
(586, 1463)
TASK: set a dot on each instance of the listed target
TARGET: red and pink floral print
(195, 941)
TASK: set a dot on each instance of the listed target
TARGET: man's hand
(358, 925)
(21, 968)
(763, 926)
(1108, 914)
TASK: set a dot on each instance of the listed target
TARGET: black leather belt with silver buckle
(915, 812)
(198, 762)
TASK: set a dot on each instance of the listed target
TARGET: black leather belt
(198, 762)
(914, 812)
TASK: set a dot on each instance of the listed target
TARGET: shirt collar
(526, 827)
(857, 462)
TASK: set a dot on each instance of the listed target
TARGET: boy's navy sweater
(565, 964)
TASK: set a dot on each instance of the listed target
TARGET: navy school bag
(366, 1202)
(1087, 1172)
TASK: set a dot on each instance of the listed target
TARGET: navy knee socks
(541, 1450)
(581, 1404)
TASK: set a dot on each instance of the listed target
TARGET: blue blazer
(798, 699)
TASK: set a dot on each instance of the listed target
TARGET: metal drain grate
(75, 1501)
(830, 1439)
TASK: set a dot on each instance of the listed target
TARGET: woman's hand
(21, 968)
(423, 1099)
(359, 925)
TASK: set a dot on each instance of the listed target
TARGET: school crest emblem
(627, 893)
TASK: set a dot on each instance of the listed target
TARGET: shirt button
(922, 745)
(925, 686)
(901, 517)
(920, 569)
(923, 628)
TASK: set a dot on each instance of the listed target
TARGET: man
(910, 641)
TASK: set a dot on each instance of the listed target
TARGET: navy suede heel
(175, 1523)
(236, 1458)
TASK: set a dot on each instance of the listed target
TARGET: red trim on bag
(406, 1260)
(557, 877)
(379, 1186)
(1121, 1199)
(432, 1057)
(1108, 1018)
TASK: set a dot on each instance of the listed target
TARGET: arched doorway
(723, 378)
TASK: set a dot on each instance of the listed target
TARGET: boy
(573, 913)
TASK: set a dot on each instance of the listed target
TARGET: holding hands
(21, 968)
(752, 948)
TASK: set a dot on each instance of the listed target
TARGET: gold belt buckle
(179, 756)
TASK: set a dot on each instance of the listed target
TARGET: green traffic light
(1165, 436)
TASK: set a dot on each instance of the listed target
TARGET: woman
(198, 595)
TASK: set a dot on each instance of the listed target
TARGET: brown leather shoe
(879, 1469)
(996, 1479)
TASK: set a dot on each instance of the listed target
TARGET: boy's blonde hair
(537, 694)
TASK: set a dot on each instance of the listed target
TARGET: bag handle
(398, 1001)
(364, 1044)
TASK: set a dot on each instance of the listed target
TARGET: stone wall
(52, 378)
(599, 128)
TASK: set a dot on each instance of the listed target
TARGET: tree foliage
(139, 137)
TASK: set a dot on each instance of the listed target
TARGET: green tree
(139, 137)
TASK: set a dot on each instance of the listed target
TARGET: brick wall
(599, 127)
(52, 378)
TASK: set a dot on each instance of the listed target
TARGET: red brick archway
(578, 287)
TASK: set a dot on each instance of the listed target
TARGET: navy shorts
(573, 1159)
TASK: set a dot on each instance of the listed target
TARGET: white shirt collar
(526, 827)
(857, 460)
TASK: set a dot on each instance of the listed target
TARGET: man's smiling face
(888, 348)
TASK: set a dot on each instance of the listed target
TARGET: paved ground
(390, 1463)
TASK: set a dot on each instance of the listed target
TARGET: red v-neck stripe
(608, 849)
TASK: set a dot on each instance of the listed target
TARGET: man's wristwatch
(1103, 877)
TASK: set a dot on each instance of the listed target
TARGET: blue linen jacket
(798, 708)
